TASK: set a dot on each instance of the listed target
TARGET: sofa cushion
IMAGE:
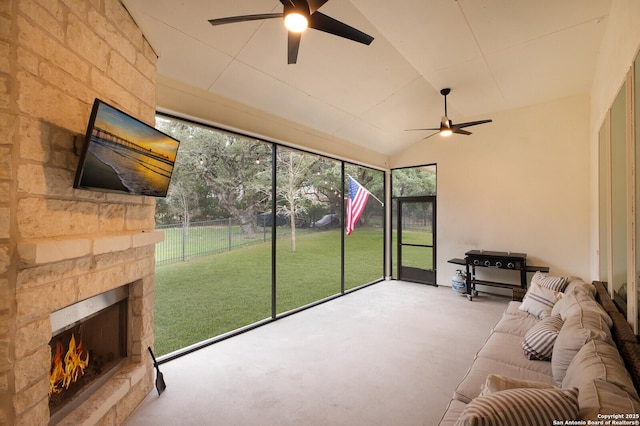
(521, 407)
(513, 308)
(539, 300)
(572, 337)
(507, 348)
(550, 282)
(453, 412)
(538, 341)
(598, 360)
(517, 325)
(471, 385)
(498, 382)
(601, 397)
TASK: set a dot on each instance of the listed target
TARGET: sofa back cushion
(598, 359)
(576, 285)
(574, 303)
(574, 334)
(601, 397)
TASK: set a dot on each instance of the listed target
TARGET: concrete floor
(390, 354)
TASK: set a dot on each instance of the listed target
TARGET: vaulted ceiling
(493, 54)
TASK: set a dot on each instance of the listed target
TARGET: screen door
(416, 239)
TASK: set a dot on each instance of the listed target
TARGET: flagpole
(374, 197)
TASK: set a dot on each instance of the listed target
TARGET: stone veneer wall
(59, 245)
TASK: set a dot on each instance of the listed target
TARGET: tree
(219, 174)
(182, 198)
(414, 181)
(327, 184)
(235, 176)
(292, 186)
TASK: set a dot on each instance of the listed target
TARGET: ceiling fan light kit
(446, 132)
(296, 21)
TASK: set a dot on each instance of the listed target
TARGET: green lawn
(420, 257)
(212, 295)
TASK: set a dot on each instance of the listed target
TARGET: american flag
(356, 202)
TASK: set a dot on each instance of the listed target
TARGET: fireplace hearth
(88, 346)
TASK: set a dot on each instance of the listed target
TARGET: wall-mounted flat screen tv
(124, 155)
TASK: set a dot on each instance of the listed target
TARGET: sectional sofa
(563, 354)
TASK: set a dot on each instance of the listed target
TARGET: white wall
(519, 184)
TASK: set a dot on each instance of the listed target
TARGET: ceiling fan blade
(300, 5)
(293, 47)
(432, 134)
(460, 131)
(244, 18)
(322, 22)
(410, 130)
(470, 123)
(315, 4)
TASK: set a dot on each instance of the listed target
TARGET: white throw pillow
(539, 301)
(497, 382)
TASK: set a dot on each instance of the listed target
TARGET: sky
(127, 127)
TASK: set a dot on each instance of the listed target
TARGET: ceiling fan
(446, 126)
(298, 15)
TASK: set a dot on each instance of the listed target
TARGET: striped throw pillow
(550, 282)
(538, 341)
(522, 407)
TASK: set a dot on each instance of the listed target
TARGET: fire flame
(67, 370)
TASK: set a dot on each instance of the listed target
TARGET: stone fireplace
(50, 283)
(60, 246)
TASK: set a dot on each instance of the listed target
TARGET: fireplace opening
(88, 346)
